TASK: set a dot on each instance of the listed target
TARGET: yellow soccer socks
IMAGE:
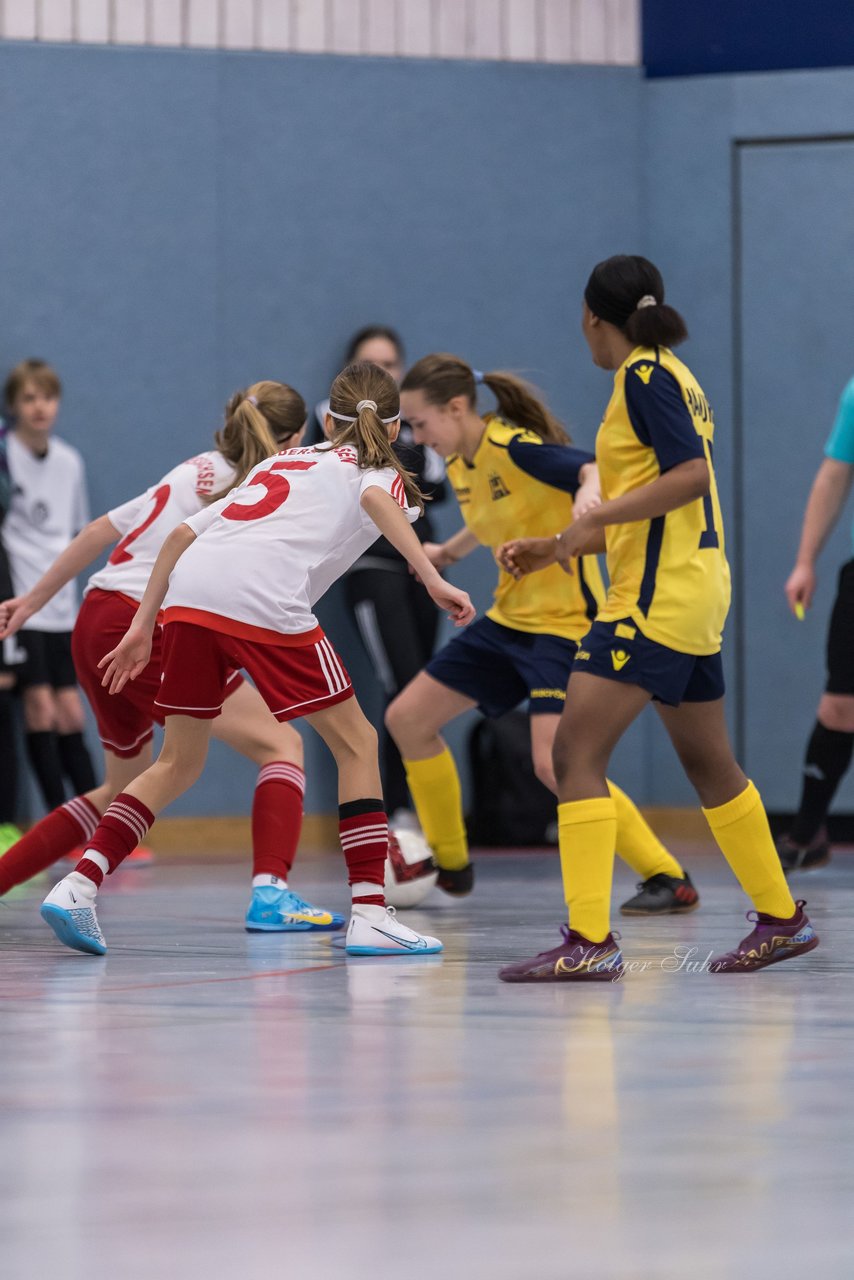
(587, 831)
(637, 843)
(741, 829)
(435, 787)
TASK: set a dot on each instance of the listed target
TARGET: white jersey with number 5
(269, 550)
(146, 521)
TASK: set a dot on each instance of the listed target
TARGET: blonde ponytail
(259, 421)
(364, 402)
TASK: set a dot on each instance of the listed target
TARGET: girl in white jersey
(257, 421)
(245, 575)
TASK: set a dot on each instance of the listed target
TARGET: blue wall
(756, 232)
(176, 224)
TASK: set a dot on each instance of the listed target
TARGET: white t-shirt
(145, 521)
(49, 506)
(267, 552)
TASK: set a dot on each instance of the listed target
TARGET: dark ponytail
(628, 292)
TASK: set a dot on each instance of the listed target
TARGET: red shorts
(294, 680)
(125, 720)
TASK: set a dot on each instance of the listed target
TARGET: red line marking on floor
(243, 977)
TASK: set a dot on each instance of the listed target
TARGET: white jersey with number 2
(145, 521)
(268, 551)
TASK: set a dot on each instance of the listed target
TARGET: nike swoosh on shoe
(417, 945)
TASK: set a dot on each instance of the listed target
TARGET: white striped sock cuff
(365, 835)
(123, 813)
(280, 771)
(84, 814)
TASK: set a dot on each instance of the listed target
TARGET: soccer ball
(410, 872)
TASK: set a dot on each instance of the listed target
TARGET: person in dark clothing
(394, 615)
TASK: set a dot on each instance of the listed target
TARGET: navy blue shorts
(499, 667)
(619, 651)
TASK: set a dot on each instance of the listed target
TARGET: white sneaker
(69, 909)
(376, 931)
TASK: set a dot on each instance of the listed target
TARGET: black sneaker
(457, 883)
(803, 857)
(663, 895)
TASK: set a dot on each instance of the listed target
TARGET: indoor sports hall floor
(207, 1103)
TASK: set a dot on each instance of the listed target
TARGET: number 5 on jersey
(277, 487)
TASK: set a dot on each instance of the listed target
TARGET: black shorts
(499, 667)
(840, 635)
(620, 651)
(48, 659)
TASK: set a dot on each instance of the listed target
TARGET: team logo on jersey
(644, 372)
(619, 658)
(497, 487)
(39, 512)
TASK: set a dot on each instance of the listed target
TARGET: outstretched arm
(131, 655)
(676, 488)
(77, 556)
(452, 550)
(393, 524)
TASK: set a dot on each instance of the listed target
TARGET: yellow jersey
(669, 574)
(518, 486)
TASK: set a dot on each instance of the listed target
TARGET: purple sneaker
(772, 940)
(577, 959)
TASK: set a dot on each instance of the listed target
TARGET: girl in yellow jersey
(513, 472)
(657, 637)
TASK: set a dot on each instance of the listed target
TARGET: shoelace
(759, 918)
(294, 900)
(86, 922)
(659, 879)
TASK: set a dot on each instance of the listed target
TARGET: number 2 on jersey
(277, 486)
(121, 555)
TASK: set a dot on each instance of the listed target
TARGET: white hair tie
(647, 301)
(366, 404)
(348, 417)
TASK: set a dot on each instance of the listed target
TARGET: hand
(13, 614)
(130, 656)
(800, 587)
(527, 555)
(586, 499)
(459, 607)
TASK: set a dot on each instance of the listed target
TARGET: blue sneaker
(275, 910)
(70, 912)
